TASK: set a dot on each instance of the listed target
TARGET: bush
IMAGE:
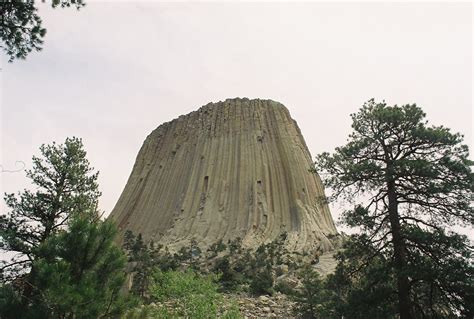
(235, 246)
(285, 288)
(153, 311)
(228, 277)
(186, 294)
(216, 248)
(262, 282)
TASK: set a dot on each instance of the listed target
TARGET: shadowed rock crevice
(237, 168)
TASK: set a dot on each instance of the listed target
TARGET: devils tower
(237, 168)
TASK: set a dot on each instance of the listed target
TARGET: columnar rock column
(238, 168)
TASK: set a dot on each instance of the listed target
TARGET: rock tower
(237, 168)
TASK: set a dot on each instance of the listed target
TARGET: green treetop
(65, 261)
(64, 185)
(409, 181)
(21, 27)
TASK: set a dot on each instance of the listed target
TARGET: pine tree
(22, 28)
(80, 274)
(66, 263)
(417, 181)
(64, 186)
(310, 299)
(128, 241)
(144, 258)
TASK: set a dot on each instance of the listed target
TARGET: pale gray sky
(113, 72)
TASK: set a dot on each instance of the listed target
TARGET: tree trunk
(403, 283)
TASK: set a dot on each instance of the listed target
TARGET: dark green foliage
(243, 269)
(253, 267)
(64, 186)
(269, 254)
(235, 245)
(166, 261)
(144, 257)
(429, 165)
(21, 27)
(362, 285)
(284, 288)
(69, 264)
(261, 282)
(189, 255)
(183, 254)
(138, 248)
(442, 273)
(128, 241)
(242, 262)
(418, 181)
(81, 266)
(312, 296)
(10, 301)
(262, 263)
(216, 248)
(228, 277)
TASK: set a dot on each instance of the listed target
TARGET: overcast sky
(113, 72)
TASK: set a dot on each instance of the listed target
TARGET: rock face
(238, 168)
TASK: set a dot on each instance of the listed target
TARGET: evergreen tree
(312, 296)
(138, 248)
(64, 185)
(80, 274)
(228, 277)
(417, 181)
(363, 285)
(67, 264)
(21, 27)
(145, 258)
(128, 241)
(261, 282)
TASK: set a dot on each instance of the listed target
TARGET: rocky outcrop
(237, 168)
(275, 306)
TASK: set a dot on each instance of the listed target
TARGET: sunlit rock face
(237, 168)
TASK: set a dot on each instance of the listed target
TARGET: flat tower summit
(237, 168)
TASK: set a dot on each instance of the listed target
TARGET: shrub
(216, 248)
(285, 288)
(235, 246)
(262, 282)
(228, 277)
(190, 294)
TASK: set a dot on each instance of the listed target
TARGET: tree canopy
(22, 29)
(408, 182)
(65, 261)
(64, 186)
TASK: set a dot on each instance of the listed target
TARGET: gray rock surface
(276, 306)
(327, 264)
(237, 168)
